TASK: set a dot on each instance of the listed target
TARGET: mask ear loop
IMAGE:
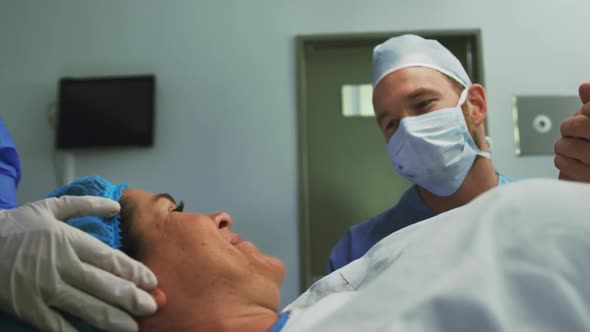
(484, 154)
(463, 97)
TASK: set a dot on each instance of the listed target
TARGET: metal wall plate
(537, 120)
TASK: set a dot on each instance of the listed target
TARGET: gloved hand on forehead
(46, 264)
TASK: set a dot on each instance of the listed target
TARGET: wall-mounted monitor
(106, 112)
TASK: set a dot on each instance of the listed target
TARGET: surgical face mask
(435, 150)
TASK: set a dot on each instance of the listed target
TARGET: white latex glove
(45, 264)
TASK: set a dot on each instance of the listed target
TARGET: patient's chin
(278, 267)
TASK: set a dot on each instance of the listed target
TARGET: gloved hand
(45, 264)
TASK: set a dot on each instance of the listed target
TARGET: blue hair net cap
(105, 229)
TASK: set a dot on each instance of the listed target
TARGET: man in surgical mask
(432, 117)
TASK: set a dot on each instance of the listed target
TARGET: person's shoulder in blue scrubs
(10, 169)
(410, 209)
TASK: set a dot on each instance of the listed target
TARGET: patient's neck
(220, 312)
(247, 321)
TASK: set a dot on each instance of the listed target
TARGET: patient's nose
(222, 219)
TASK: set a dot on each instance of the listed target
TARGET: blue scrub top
(10, 171)
(410, 209)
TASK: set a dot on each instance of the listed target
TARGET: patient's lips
(241, 244)
(235, 239)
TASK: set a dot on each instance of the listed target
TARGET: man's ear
(478, 105)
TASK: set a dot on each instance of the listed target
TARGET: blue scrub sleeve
(341, 254)
(10, 169)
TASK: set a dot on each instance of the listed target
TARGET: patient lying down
(514, 259)
(212, 279)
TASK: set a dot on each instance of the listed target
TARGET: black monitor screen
(107, 111)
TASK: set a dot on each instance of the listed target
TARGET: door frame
(347, 40)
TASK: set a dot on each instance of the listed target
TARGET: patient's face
(197, 256)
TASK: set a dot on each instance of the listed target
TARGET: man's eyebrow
(166, 196)
(419, 93)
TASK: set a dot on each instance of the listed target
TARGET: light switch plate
(537, 120)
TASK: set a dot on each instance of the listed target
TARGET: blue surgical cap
(105, 229)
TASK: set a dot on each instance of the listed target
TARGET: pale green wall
(226, 130)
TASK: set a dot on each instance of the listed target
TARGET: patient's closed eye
(179, 207)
